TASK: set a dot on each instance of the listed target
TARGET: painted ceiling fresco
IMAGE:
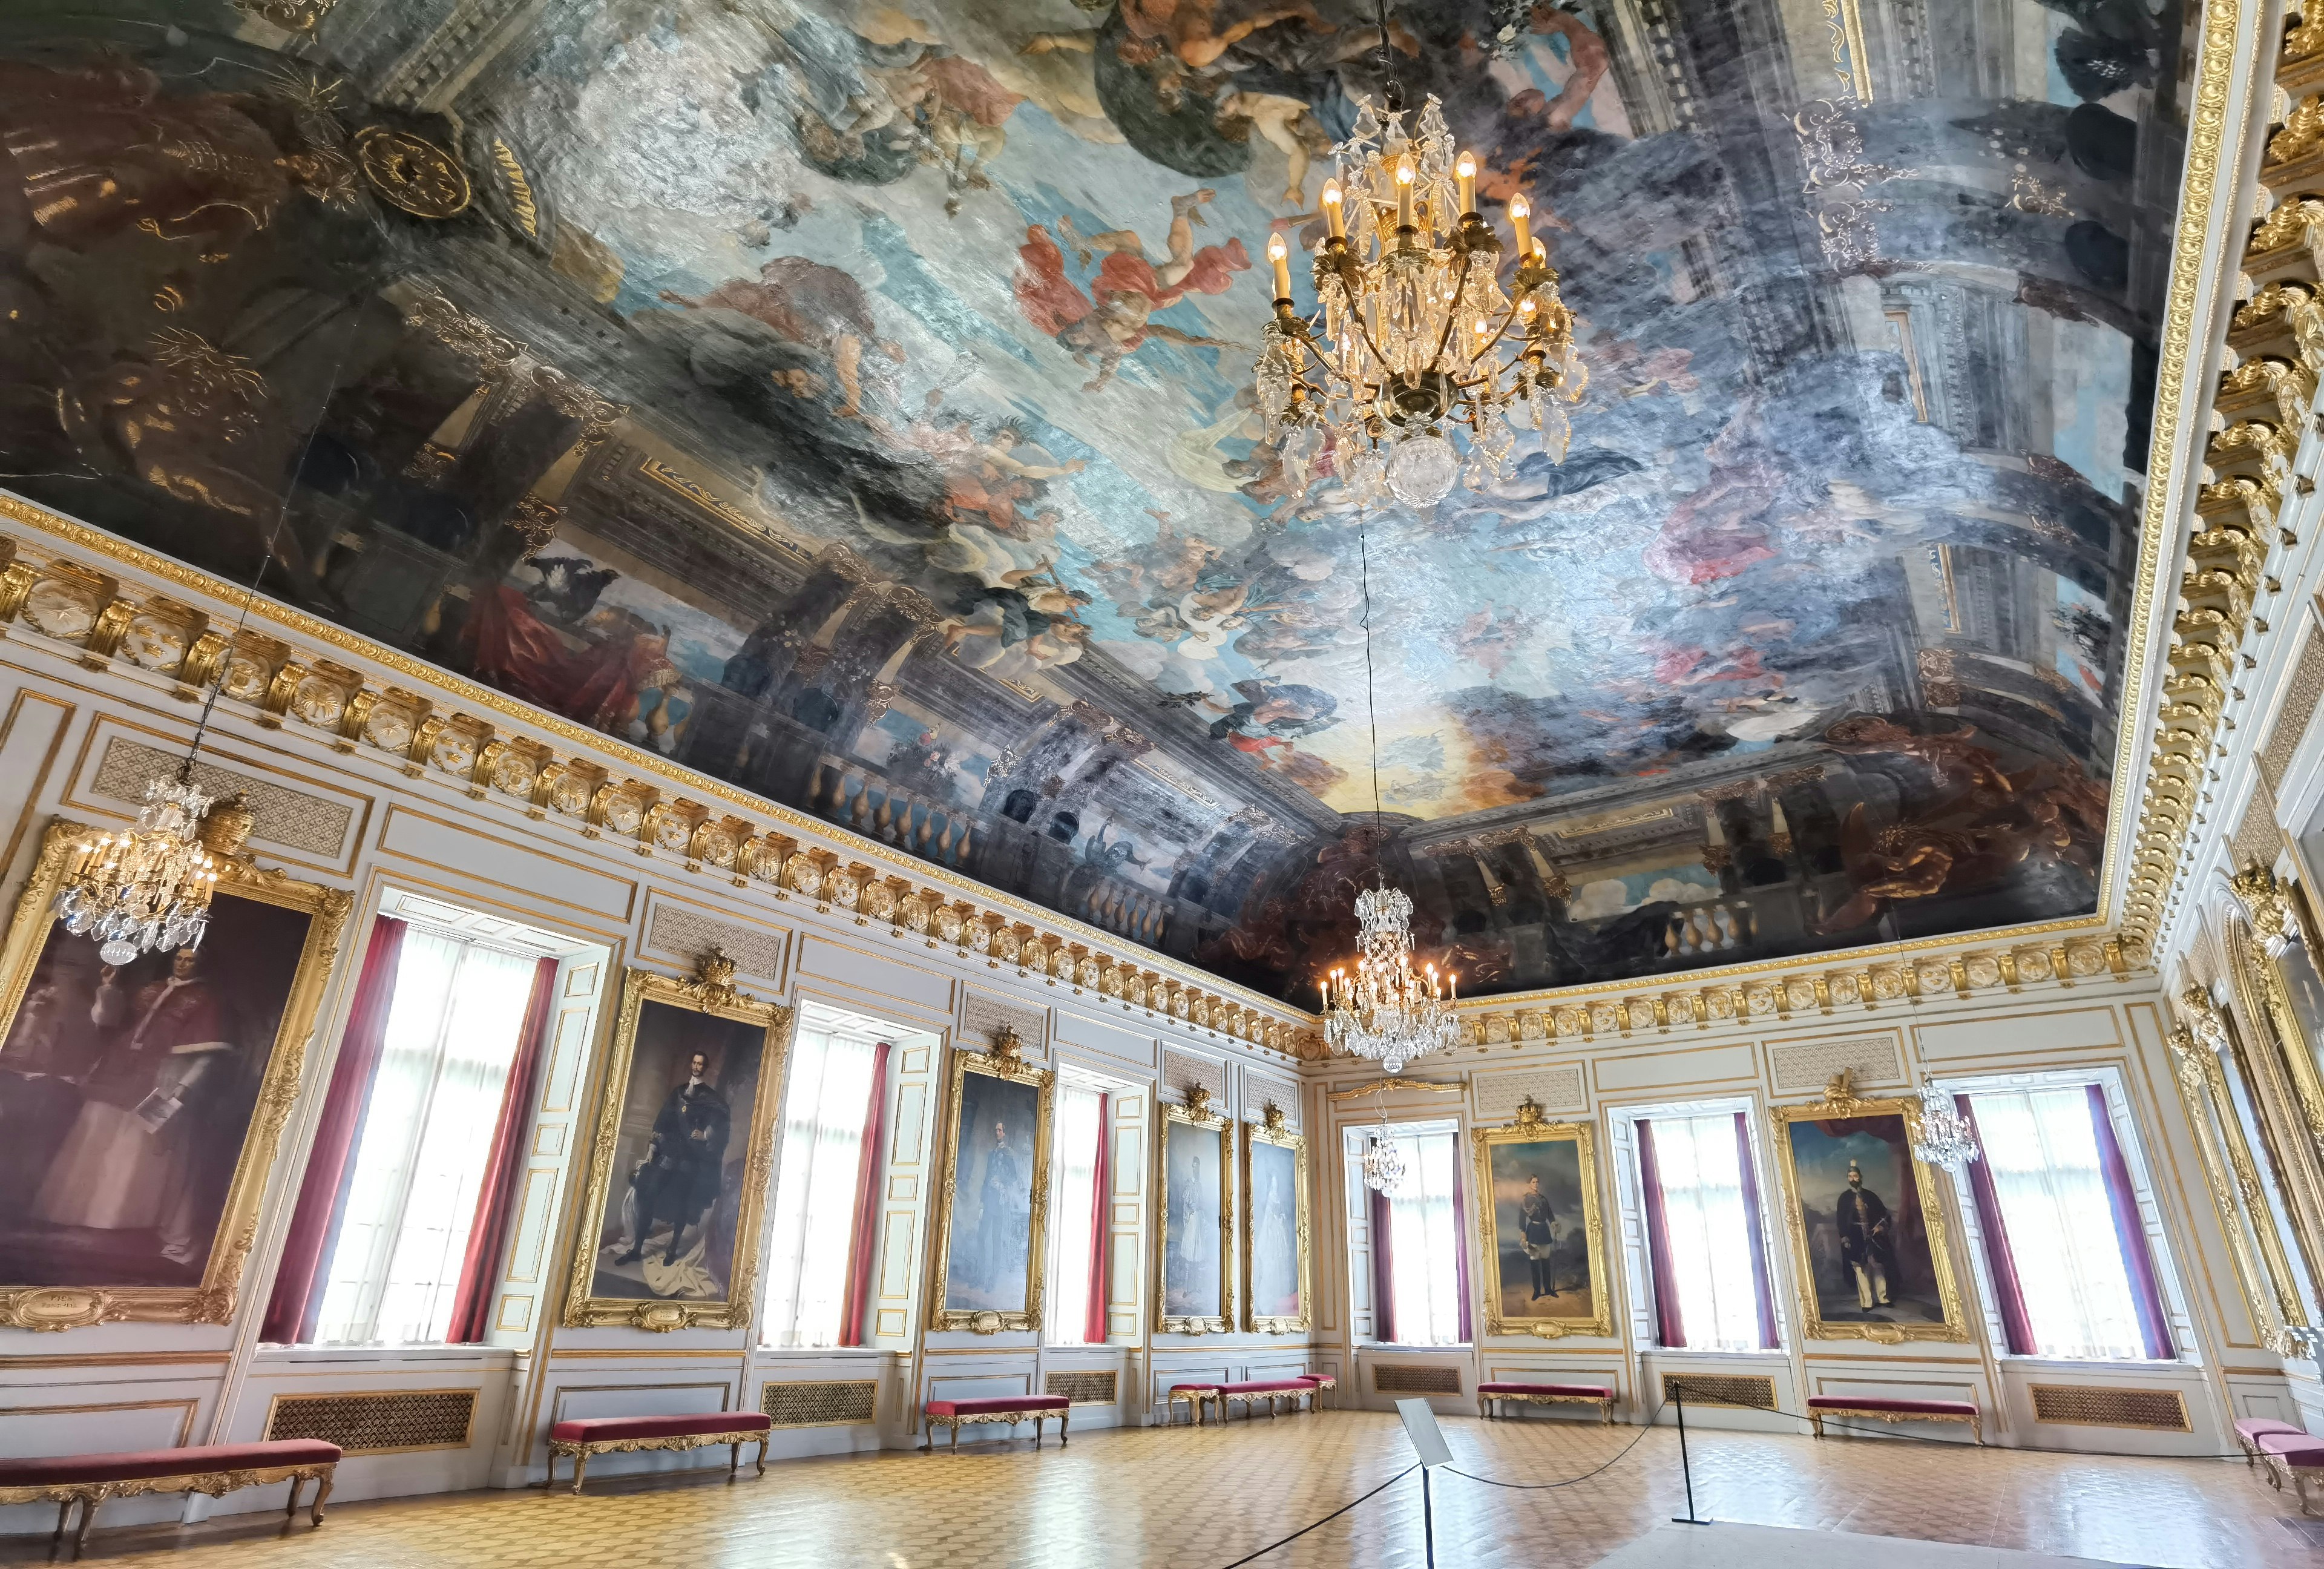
(853, 401)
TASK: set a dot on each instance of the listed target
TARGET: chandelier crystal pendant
(148, 888)
(1384, 1006)
(1383, 1162)
(1946, 1138)
(1415, 344)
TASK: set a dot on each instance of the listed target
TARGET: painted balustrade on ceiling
(858, 796)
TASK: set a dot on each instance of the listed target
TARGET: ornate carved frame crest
(1532, 1128)
(1196, 1114)
(1270, 1129)
(1003, 1059)
(63, 1306)
(1840, 1100)
(710, 991)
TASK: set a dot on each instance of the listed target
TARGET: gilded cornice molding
(61, 586)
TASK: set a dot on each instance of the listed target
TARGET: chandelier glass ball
(1414, 341)
(148, 889)
(1384, 1006)
(1946, 1139)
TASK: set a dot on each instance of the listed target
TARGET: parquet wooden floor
(1189, 1499)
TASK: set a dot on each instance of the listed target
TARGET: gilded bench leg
(321, 1493)
(580, 1470)
(1062, 1416)
(291, 1508)
(87, 1517)
(1816, 1422)
(1037, 1421)
(1977, 1430)
(734, 1459)
(763, 1453)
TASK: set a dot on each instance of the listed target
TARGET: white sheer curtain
(2043, 1155)
(824, 1106)
(443, 1068)
(1076, 1157)
(1709, 1233)
(1424, 1244)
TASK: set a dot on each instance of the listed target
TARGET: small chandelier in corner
(148, 888)
(1415, 341)
(1946, 1138)
(1383, 1163)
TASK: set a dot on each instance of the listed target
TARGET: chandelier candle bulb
(1520, 213)
(1278, 253)
(1404, 178)
(1466, 172)
(1334, 212)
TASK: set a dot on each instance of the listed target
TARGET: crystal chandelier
(1416, 340)
(1946, 1138)
(1383, 1162)
(1384, 1006)
(148, 888)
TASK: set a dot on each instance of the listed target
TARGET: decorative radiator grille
(1390, 1379)
(819, 1402)
(1743, 1390)
(1084, 1388)
(382, 1421)
(2096, 1406)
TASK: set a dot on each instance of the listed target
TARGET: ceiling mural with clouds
(854, 402)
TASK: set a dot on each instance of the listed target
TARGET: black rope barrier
(1571, 1480)
(1327, 1519)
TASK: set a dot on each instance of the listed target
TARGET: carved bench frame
(1973, 1416)
(89, 1495)
(581, 1449)
(956, 1420)
(1605, 1403)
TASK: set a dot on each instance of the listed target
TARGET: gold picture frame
(59, 1306)
(1839, 1103)
(711, 993)
(1004, 1061)
(1271, 1131)
(1532, 1128)
(1194, 1113)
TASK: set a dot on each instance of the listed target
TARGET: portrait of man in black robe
(1867, 1242)
(678, 1181)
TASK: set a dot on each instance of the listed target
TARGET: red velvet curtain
(1461, 1252)
(1383, 1273)
(2000, 1262)
(1101, 1279)
(864, 1246)
(1763, 1291)
(496, 1196)
(2130, 1231)
(298, 1299)
(1669, 1324)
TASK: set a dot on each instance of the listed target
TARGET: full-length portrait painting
(1866, 1224)
(684, 1142)
(1274, 1227)
(131, 1146)
(996, 1193)
(1196, 1278)
(1544, 1245)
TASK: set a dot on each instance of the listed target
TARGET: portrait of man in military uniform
(675, 1198)
(1860, 1217)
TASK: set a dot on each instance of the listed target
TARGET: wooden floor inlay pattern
(1199, 1498)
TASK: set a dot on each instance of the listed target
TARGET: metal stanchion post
(1427, 1519)
(1678, 1399)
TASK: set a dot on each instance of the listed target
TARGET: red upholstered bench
(1200, 1397)
(1010, 1409)
(215, 1469)
(2250, 1430)
(1319, 1385)
(1882, 1408)
(584, 1436)
(2293, 1454)
(1270, 1389)
(1597, 1395)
